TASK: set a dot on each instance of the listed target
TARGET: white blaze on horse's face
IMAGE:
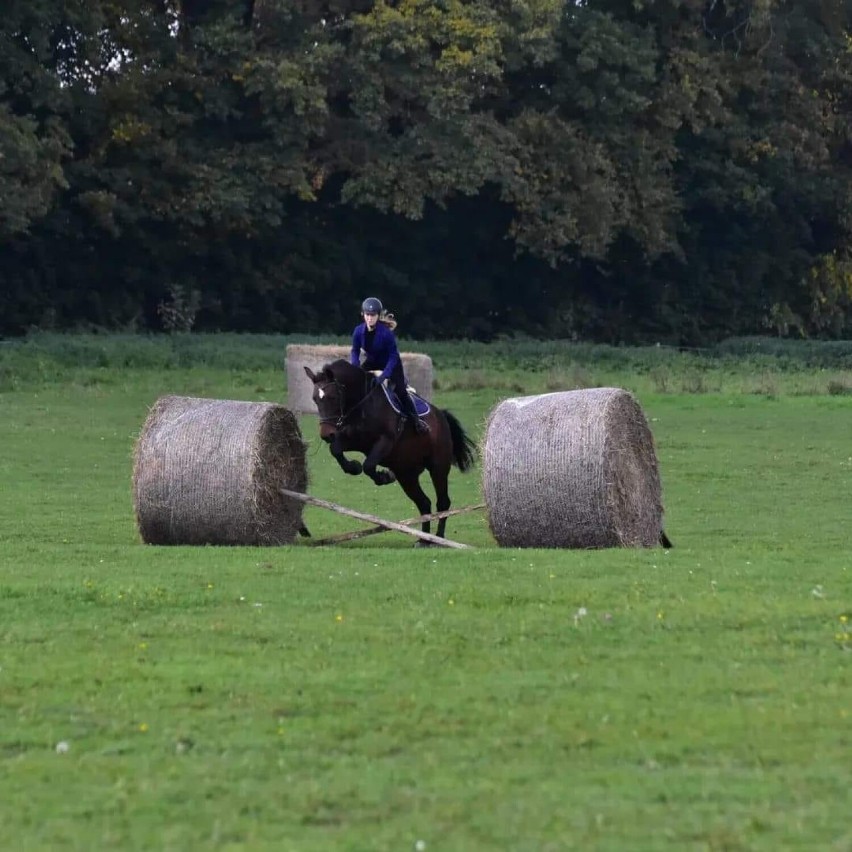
(327, 400)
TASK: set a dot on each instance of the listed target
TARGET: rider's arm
(357, 342)
(393, 360)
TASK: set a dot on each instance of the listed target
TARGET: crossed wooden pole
(380, 524)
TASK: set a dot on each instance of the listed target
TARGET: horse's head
(338, 388)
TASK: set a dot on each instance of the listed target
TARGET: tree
(33, 141)
(663, 169)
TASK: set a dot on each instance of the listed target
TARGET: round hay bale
(573, 469)
(417, 368)
(207, 471)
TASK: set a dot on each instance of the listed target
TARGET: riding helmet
(372, 305)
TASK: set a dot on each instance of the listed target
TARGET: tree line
(609, 170)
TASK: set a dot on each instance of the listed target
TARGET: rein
(341, 418)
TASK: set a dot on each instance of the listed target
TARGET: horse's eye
(321, 393)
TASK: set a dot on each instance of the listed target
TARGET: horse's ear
(311, 375)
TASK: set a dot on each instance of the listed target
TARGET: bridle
(340, 418)
(343, 415)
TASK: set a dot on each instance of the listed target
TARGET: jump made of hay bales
(417, 368)
(575, 469)
(208, 471)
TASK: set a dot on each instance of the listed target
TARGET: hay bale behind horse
(416, 366)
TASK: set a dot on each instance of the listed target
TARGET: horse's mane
(342, 369)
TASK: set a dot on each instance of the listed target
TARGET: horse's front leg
(378, 452)
(353, 468)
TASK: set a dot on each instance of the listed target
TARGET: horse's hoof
(353, 468)
(389, 478)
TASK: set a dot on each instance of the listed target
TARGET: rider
(375, 336)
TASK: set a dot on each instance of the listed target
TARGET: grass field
(377, 697)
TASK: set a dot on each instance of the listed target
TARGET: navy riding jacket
(381, 349)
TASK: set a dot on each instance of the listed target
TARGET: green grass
(370, 696)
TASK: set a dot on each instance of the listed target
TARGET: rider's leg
(406, 403)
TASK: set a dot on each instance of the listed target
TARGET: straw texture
(575, 469)
(207, 471)
(416, 366)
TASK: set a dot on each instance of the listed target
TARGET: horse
(357, 416)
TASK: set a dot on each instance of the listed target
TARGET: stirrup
(420, 426)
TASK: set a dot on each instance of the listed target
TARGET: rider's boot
(408, 409)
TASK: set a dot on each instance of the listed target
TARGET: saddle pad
(420, 404)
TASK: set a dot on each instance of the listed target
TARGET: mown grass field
(377, 697)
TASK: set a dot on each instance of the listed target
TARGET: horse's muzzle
(327, 432)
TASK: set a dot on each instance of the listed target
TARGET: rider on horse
(375, 336)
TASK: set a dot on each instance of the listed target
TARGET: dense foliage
(613, 170)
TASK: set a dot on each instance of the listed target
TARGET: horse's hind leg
(410, 483)
(440, 475)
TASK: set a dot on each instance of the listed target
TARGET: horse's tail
(464, 450)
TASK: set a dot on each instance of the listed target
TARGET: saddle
(420, 405)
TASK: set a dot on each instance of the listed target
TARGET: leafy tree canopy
(616, 169)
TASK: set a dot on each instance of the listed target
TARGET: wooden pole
(373, 519)
(356, 534)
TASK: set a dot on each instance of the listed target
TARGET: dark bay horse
(356, 416)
